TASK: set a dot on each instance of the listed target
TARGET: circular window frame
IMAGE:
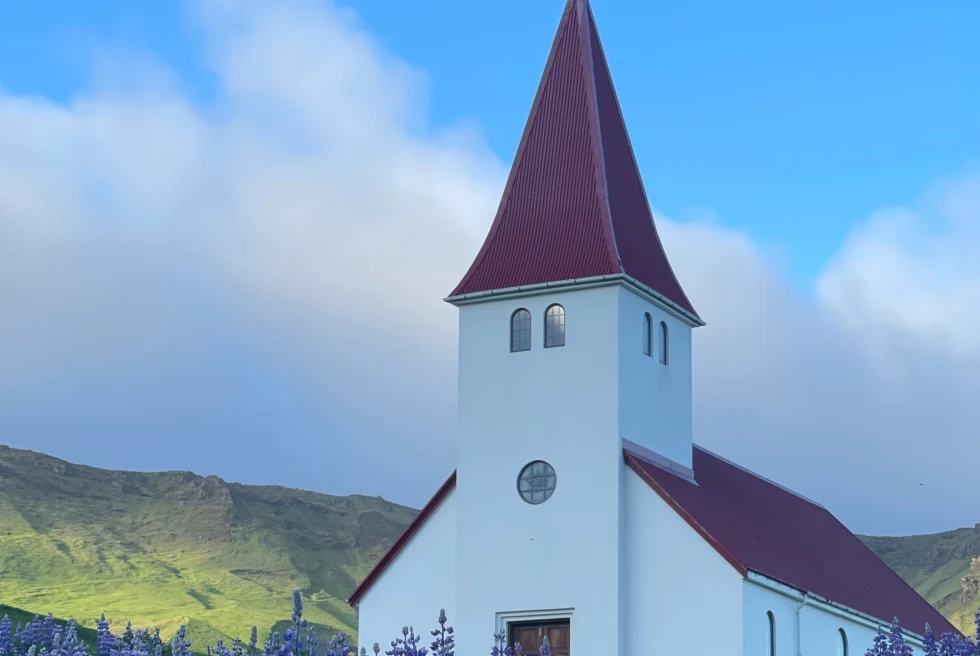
(528, 496)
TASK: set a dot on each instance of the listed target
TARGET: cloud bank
(253, 288)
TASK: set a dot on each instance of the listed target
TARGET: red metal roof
(574, 205)
(761, 527)
(404, 539)
(758, 526)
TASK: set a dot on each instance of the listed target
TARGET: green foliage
(166, 549)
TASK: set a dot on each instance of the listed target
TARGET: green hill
(943, 567)
(165, 549)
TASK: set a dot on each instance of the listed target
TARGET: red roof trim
(403, 539)
(633, 461)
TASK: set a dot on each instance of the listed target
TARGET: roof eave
(646, 291)
(420, 519)
(829, 605)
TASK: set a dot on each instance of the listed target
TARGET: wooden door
(531, 635)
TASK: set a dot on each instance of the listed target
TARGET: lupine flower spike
(444, 643)
(6, 637)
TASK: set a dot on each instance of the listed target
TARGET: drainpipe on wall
(799, 624)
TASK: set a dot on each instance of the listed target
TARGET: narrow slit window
(554, 326)
(520, 331)
(841, 643)
(647, 334)
(662, 343)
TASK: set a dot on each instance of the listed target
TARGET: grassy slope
(175, 548)
(934, 565)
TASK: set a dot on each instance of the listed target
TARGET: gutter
(581, 283)
(828, 606)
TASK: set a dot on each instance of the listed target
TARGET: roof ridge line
(636, 163)
(586, 25)
(761, 477)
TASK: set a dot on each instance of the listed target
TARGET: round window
(536, 482)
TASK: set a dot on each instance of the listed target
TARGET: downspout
(799, 624)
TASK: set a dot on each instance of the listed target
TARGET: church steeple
(574, 206)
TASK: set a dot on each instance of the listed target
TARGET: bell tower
(574, 335)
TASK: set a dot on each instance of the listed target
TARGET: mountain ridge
(164, 548)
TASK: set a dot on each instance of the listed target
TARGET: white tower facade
(520, 560)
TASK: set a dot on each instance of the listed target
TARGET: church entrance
(532, 634)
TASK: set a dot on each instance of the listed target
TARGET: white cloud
(184, 286)
(860, 393)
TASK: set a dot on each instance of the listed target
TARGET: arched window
(662, 342)
(554, 326)
(647, 334)
(770, 634)
(520, 331)
(841, 643)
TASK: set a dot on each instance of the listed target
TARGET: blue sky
(788, 122)
(214, 214)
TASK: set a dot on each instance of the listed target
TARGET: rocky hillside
(164, 549)
(943, 567)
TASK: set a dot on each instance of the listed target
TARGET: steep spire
(574, 205)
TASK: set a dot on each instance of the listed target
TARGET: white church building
(580, 508)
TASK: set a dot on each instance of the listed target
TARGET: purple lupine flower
(272, 645)
(546, 648)
(220, 649)
(70, 646)
(29, 636)
(340, 645)
(880, 645)
(253, 640)
(929, 646)
(105, 638)
(500, 647)
(444, 643)
(896, 641)
(179, 645)
(407, 645)
(47, 632)
(311, 641)
(6, 638)
(298, 610)
(947, 644)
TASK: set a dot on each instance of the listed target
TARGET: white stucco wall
(415, 586)
(555, 404)
(818, 626)
(681, 596)
(655, 402)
